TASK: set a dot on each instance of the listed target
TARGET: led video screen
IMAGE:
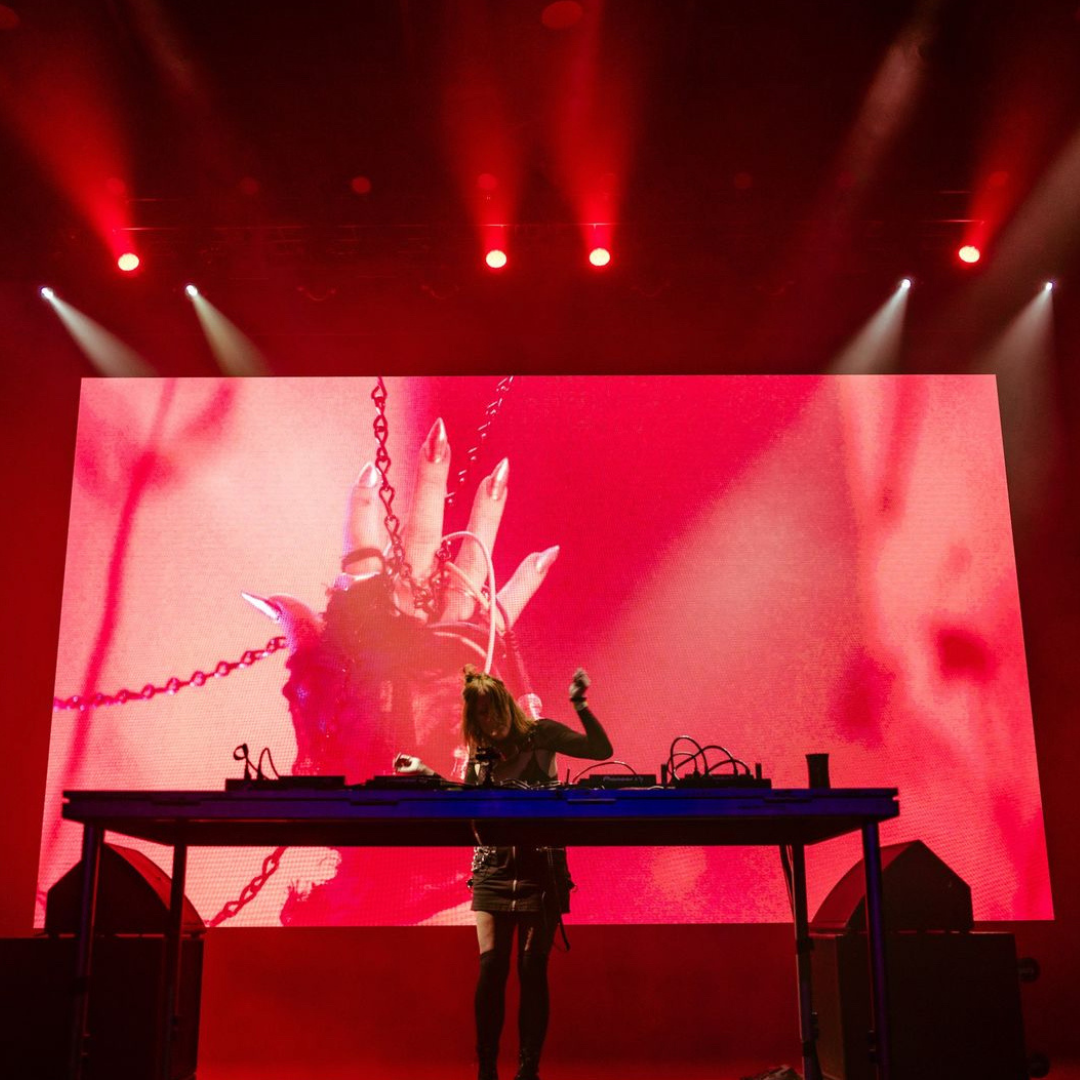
(779, 565)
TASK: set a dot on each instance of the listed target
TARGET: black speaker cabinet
(36, 1005)
(921, 893)
(954, 1006)
(133, 897)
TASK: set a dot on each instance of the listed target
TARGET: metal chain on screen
(397, 564)
(171, 686)
(426, 596)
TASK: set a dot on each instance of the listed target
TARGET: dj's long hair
(479, 684)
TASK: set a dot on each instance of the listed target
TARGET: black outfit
(522, 879)
(526, 889)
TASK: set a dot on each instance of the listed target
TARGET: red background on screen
(780, 565)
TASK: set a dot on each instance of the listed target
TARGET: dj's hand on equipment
(408, 765)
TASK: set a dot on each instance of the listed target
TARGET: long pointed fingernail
(259, 603)
(436, 444)
(546, 558)
(369, 476)
(497, 481)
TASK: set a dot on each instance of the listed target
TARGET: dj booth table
(564, 816)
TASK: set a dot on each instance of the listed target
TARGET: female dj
(518, 890)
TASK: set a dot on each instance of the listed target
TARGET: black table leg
(84, 948)
(170, 988)
(875, 925)
(803, 945)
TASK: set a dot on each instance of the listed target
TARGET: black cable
(731, 760)
(679, 760)
(598, 764)
(241, 754)
(561, 897)
(671, 751)
(265, 752)
(789, 877)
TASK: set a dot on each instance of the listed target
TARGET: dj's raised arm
(525, 747)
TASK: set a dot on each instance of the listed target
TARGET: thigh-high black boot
(490, 1008)
(533, 1015)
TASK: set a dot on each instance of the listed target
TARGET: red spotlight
(969, 253)
(495, 258)
(599, 256)
(128, 261)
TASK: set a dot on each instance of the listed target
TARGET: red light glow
(495, 259)
(599, 256)
(128, 261)
(969, 253)
(85, 159)
(562, 14)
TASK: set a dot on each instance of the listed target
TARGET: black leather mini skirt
(520, 879)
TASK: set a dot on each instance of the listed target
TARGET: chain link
(397, 565)
(198, 678)
(424, 596)
(251, 889)
(173, 685)
(491, 411)
(427, 594)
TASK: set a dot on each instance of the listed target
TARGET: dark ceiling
(729, 117)
(768, 169)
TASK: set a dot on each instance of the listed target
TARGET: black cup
(817, 768)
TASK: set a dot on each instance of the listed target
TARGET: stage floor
(555, 1071)
(652, 1070)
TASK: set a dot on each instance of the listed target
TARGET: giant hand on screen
(366, 538)
(381, 666)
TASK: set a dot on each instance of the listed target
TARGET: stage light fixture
(969, 254)
(1048, 287)
(46, 292)
(496, 259)
(905, 283)
(191, 291)
(128, 262)
(599, 257)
